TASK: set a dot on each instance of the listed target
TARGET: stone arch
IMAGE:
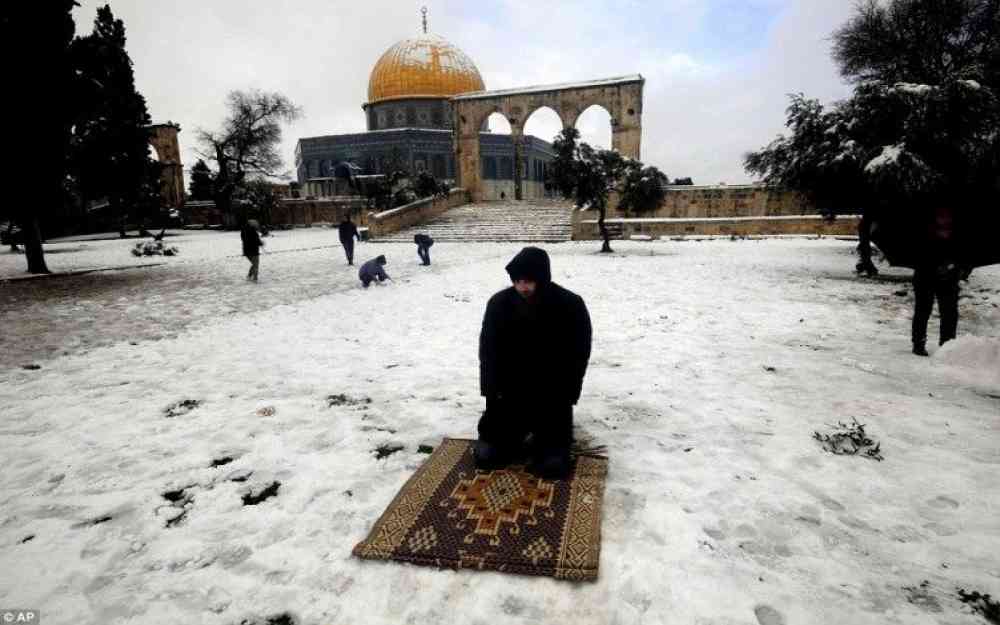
(163, 138)
(621, 97)
(496, 134)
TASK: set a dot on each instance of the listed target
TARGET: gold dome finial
(423, 11)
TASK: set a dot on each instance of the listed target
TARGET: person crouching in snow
(373, 271)
(424, 243)
(251, 247)
(533, 352)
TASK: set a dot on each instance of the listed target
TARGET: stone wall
(291, 212)
(718, 210)
(727, 201)
(300, 212)
(201, 213)
(586, 229)
(387, 222)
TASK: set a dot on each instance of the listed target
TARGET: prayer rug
(451, 515)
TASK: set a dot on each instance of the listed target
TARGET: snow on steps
(546, 222)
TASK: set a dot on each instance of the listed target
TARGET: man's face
(525, 288)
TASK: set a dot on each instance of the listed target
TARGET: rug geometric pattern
(450, 515)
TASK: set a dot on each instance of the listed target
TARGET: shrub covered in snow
(153, 248)
(849, 440)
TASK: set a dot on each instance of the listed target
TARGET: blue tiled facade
(417, 135)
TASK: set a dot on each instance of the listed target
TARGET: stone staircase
(528, 221)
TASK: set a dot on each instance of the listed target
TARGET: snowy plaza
(183, 446)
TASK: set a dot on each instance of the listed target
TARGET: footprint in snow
(941, 502)
(766, 615)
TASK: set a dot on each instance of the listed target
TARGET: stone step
(512, 221)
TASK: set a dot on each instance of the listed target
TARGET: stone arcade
(410, 123)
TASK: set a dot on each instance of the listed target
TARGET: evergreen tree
(920, 126)
(586, 175)
(642, 187)
(562, 171)
(202, 178)
(35, 39)
(110, 145)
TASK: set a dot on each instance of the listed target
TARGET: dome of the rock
(423, 67)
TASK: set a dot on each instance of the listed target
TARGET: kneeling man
(533, 352)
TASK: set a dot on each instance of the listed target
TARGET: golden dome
(423, 67)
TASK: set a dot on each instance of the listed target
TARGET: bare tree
(248, 142)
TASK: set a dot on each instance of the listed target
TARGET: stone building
(409, 120)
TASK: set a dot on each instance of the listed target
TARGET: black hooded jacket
(251, 241)
(346, 230)
(534, 350)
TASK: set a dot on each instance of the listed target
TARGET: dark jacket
(538, 350)
(251, 241)
(347, 231)
(373, 269)
(423, 240)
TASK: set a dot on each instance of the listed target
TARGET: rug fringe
(594, 451)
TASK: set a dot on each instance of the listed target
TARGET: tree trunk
(10, 237)
(606, 248)
(33, 245)
(865, 264)
(224, 202)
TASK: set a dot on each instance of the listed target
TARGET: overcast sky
(717, 71)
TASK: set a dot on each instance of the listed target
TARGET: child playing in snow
(373, 271)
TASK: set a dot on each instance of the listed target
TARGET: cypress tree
(110, 152)
(201, 181)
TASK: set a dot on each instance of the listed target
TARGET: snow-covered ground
(713, 364)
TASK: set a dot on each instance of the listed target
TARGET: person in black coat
(424, 243)
(251, 247)
(936, 276)
(533, 352)
(347, 232)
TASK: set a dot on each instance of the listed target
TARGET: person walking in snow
(251, 247)
(347, 232)
(373, 271)
(936, 275)
(424, 243)
(533, 352)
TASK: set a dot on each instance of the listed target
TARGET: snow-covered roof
(603, 82)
